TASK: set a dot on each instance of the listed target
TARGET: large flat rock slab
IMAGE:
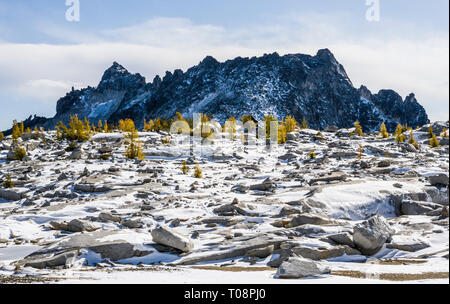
(109, 244)
(333, 176)
(13, 194)
(240, 250)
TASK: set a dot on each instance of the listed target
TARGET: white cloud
(169, 33)
(44, 89)
(406, 65)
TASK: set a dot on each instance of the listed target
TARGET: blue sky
(42, 54)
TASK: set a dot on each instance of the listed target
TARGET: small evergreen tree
(230, 128)
(412, 140)
(430, 132)
(148, 127)
(106, 127)
(134, 149)
(121, 125)
(304, 124)
(232, 124)
(291, 123)
(157, 125)
(383, 131)
(16, 133)
(268, 119)
(20, 153)
(1, 135)
(86, 127)
(7, 183)
(282, 132)
(358, 129)
(443, 135)
(399, 136)
(434, 142)
(77, 130)
(312, 154)
(198, 172)
(360, 152)
(204, 127)
(184, 168)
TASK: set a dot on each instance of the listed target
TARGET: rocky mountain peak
(411, 98)
(365, 92)
(156, 81)
(209, 61)
(117, 77)
(326, 55)
(114, 71)
(315, 87)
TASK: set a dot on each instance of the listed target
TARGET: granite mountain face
(315, 87)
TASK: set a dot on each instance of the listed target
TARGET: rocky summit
(316, 88)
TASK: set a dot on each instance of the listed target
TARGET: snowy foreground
(258, 215)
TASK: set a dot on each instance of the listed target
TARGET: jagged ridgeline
(313, 87)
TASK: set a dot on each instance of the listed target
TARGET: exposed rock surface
(240, 250)
(407, 244)
(344, 238)
(439, 180)
(417, 208)
(252, 208)
(170, 237)
(309, 218)
(13, 194)
(65, 250)
(319, 253)
(369, 236)
(296, 268)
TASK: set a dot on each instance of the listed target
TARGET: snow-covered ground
(248, 195)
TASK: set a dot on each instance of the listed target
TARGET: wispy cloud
(44, 89)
